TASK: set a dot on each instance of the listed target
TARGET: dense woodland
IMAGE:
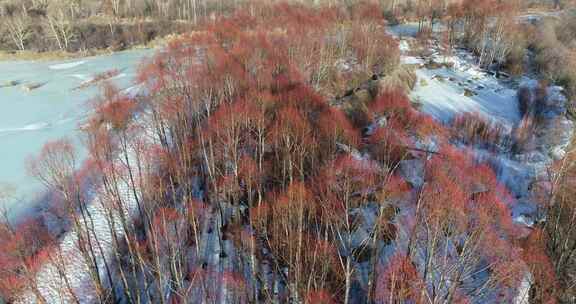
(88, 25)
(255, 170)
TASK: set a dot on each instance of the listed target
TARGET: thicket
(558, 237)
(241, 106)
(83, 26)
(233, 173)
(555, 51)
(73, 26)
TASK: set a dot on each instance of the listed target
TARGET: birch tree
(59, 23)
(18, 27)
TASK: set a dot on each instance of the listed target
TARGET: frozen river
(28, 119)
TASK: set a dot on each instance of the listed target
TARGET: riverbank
(30, 118)
(63, 55)
(57, 55)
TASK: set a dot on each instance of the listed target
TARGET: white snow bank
(65, 66)
(31, 127)
(442, 93)
(411, 60)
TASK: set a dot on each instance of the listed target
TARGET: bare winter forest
(321, 151)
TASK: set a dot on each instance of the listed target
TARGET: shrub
(523, 135)
(389, 145)
(25, 248)
(402, 77)
(472, 128)
(392, 103)
(399, 281)
(525, 100)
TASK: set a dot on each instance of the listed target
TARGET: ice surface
(29, 119)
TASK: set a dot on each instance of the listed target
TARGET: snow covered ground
(457, 85)
(51, 283)
(443, 94)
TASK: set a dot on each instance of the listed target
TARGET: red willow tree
(26, 247)
(460, 227)
(56, 168)
(235, 116)
(241, 129)
(345, 188)
(398, 126)
(550, 250)
(485, 29)
(399, 281)
(242, 135)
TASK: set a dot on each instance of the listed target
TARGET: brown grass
(61, 55)
(474, 129)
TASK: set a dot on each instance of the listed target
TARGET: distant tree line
(80, 25)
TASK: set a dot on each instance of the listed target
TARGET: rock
(32, 86)
(11, 83)
(432, 65)
(469, 93)
(438, 77)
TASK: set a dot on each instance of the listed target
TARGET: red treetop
(398, 281)
(319, 297)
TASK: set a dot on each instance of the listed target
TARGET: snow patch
(412, 171)
(443, 94)
(30, 127)
(65, 66)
